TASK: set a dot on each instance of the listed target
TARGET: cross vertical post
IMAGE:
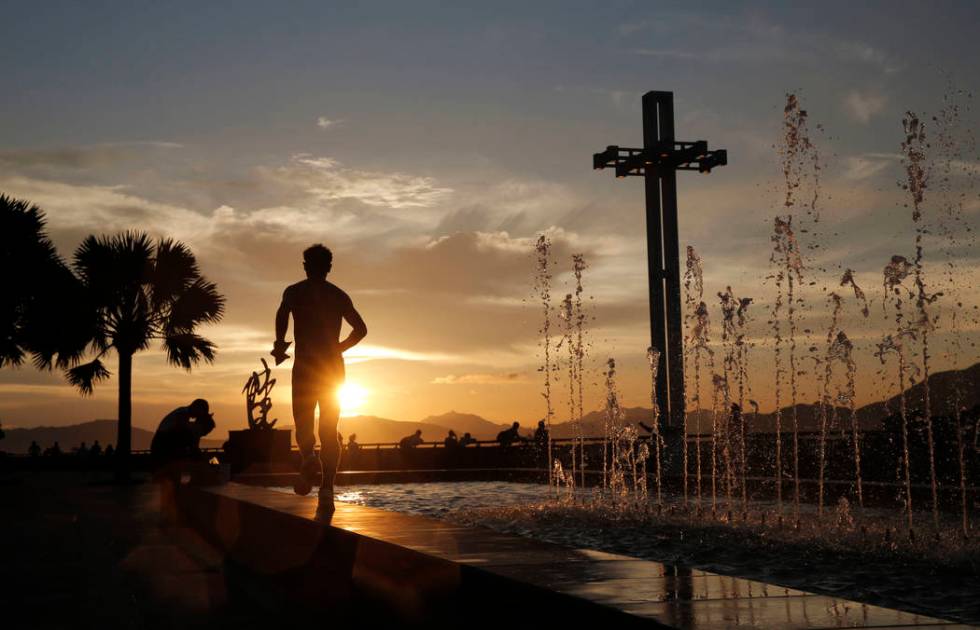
(663, 258)
(658, 162)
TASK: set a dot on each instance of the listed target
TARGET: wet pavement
(661, 595)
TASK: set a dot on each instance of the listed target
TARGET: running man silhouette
(318, 308)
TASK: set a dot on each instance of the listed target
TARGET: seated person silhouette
(508, 436)
(467, 439)
(34, 450)
(318, 308)
(177, 437)
(352, 444)
(54, 450)
(82, 450)
(411, 441)
(451, 440)
(541, 436)
(96, 449)
(109, 451)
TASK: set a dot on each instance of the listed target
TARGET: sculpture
(255, 387)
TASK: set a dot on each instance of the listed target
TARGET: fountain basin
(431, 571)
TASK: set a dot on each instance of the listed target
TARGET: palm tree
(142, 291)
(44, 313)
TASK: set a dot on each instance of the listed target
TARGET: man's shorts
(317, 379)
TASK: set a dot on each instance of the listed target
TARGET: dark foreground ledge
(372, 565)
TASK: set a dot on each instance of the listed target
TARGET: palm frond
(86, 375)
(10, 352)
(187, 349)
(60, 321)
(174, 269)
(114, 267)
(199, 303)
(44, 313)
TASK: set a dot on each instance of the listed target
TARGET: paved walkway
(77, 552)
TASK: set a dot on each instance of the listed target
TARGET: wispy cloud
(327, 180)
(480, 378)
(863, 105)
(868, 54)
(866, 166)
(367, 352)
(325, 123)
(90, 156)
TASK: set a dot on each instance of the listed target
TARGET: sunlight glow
(352, 397)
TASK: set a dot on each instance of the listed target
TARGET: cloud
(509, 378)
(367, 352)
(325, 179)
(868, 54)
(859, 167)
(677, 54)
(861, 106)
(80, 158)
(746, 37)
(325, 123)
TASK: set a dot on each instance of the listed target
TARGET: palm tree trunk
(125, 423)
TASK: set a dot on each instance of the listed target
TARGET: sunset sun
(352, 397)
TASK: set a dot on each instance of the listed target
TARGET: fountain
(728, 459)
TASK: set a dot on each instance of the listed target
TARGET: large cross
(658, 162)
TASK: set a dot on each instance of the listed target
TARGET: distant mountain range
(434, 428)
(70, 436)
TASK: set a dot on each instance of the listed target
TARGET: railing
(521, 442)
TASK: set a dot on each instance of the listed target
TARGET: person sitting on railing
(109, 451)
(466, 440)
(411, 441)
(508, 436)
(352, 444)
(53, 451)
(34, 450)
(96, 449)
(451, 440)
(541, 436)
(82, 450)
(177, 437)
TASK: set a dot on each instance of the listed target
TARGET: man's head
(317, 261)
(516, 425)
(199, 408)
(418, 432)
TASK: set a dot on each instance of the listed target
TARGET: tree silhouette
(142, 291)
(44, 312)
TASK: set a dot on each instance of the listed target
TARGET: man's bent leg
(304, 405)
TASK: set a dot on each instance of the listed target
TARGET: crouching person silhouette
(175, 450)
(177, 438)
(318, 308)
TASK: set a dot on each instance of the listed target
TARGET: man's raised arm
(359, 328)
(282, 325)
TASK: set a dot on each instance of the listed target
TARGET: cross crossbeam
(679, 156)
